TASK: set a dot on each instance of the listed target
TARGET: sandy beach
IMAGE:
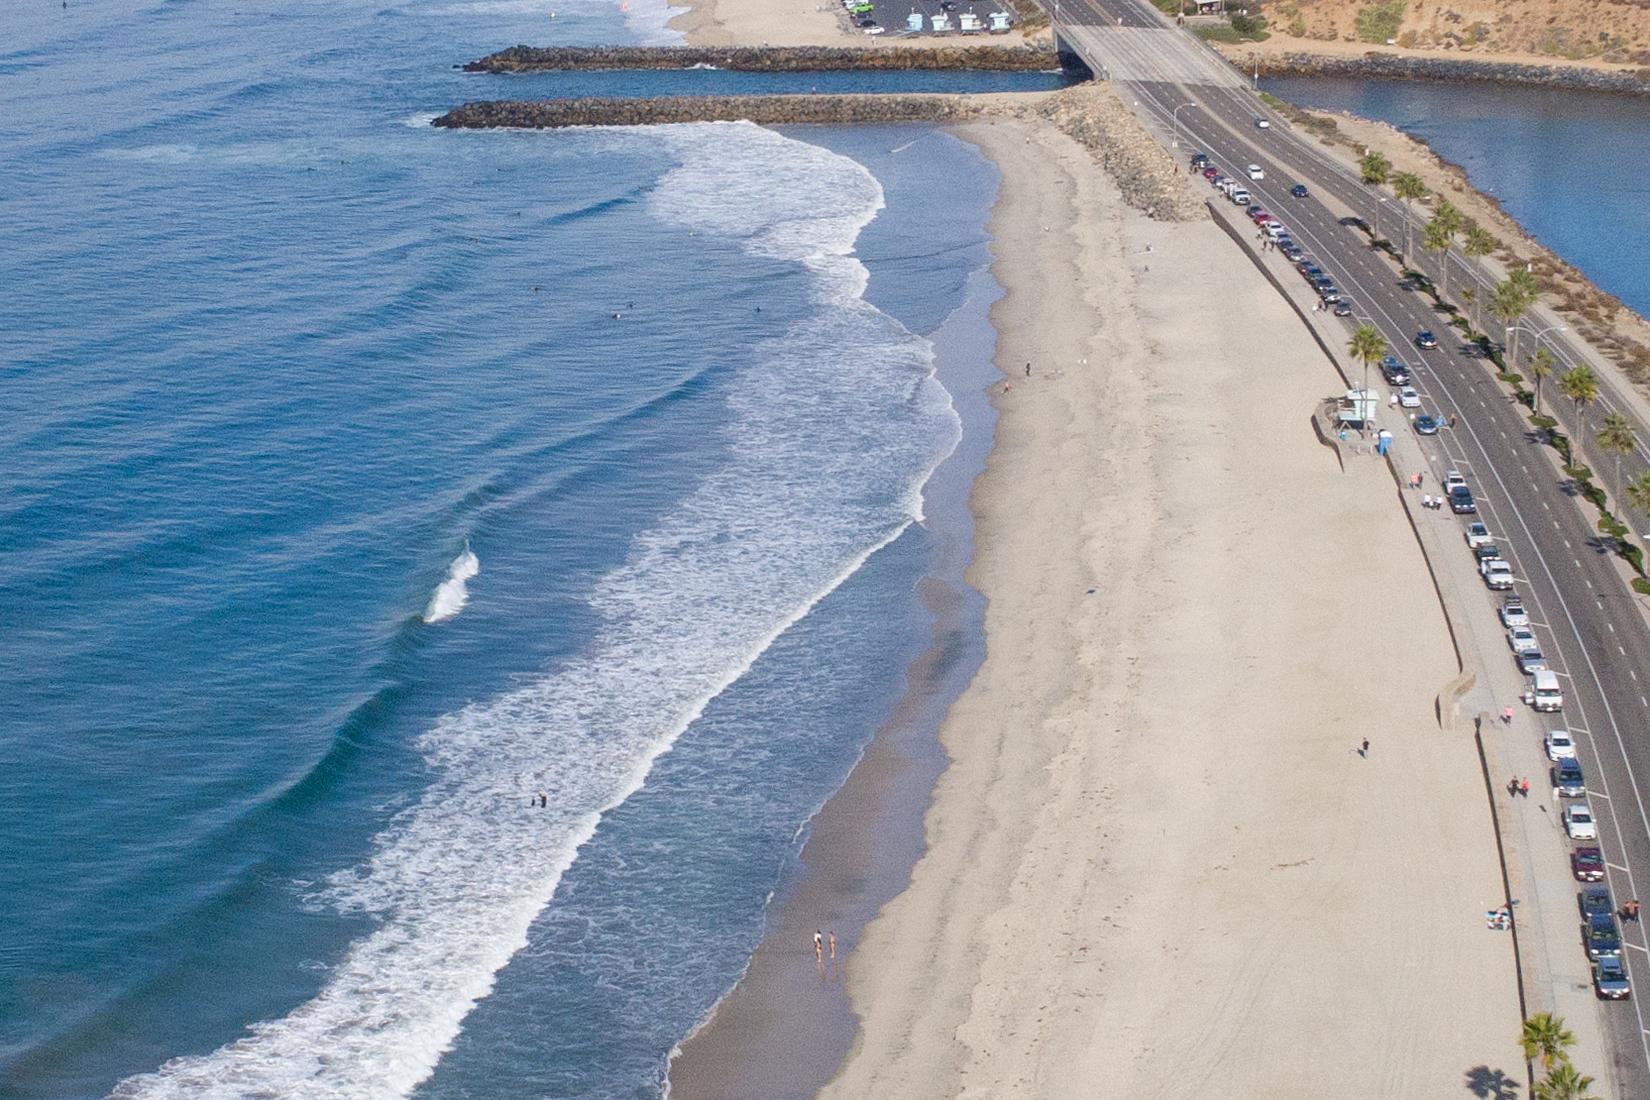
(1158, 864)
(794, 23)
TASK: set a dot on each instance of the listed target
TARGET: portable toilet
(968, 21)
(942, 23)
(999, 21)
(913, 22)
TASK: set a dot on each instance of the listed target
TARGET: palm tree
(1541, 365)
(1478, 242)
(1375, 168)
(1637, 492)
(1563, 1082)
(1508, 301)
(1547, 1040)
(1439, 236)
(1616, 438)
(1367, 346)
(1408, 186)
(1580, 385)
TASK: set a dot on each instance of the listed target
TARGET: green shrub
(1544, 422)
(1641, 586)
(1379, 22)
(1593, 493)
(1610, 525)
(1561, 443)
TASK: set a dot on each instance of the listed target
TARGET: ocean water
(369, 485)
(1571, 166)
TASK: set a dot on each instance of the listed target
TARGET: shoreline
(1364, 60)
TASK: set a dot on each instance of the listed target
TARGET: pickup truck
(1497, 573)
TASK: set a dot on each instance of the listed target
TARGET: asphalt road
(1587, 622)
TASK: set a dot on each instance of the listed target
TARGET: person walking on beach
(1506, 717)
(1363, 749)
(1028, 370)
(833, 946)
(1524, 787)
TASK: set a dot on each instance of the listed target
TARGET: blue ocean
(441, 573)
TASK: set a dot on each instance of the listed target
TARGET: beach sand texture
(1157, 865)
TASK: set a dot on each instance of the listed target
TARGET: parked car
(1595, 901)
(1461, 502)
(1559, 745)
(1425, 340)
(1477, 534)
(1452, 479)
(1610, 979)
(1276, 230)
(1498, 575)
(1483, 552)
(1343, 308)
(1601, 936)
(1409, 398)
(1210, 171)
(1512, 609)
(1396, 374)
(1299, 191)
(1568, 780)
(1200, 161)
(1427, 424)
(1239, 195)
(1579, 823)
(1530, 661)
(1330, 294)
(1544, 692)
(1522, 639)
(1587, 864)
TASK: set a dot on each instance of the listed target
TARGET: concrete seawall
(1395, 67)
(519, 59)
(770, 110)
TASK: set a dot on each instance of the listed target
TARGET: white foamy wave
(452, 594)
(646, 19)
(828, 438)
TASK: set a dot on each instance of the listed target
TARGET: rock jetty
(1396, 67)
(1146, 174)
(522, 59)
(769, 110)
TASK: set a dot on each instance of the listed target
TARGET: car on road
(1559, 744)
(1210, 171)
(1568, 780)
(1587, 864)
(1461, 502)
(1530, 661)
(1262, 124)
(1478, 535)
(1579, 823)
(1601, 936)
(1299, 191)
(1256, 172)
(1595, 901)
(1394, 371)
(1610, 979)
(1343, 308)
(1425, 340)
(1427, 424)
(1522, 639)
(1409, 398)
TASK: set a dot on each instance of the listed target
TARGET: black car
(1292, 253)
(1200, 160)
(1343, 308)
(1595, 901)
(1601, 936)
(1394, 372)
(1568, 780)
(1461, 502)
(1484, 551)
(1425, 340)
(1610, 979)
(1299, 191)
(1309, 268)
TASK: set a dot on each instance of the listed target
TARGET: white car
(1262, 124)
(1409, 398)
(1256, 172)
(1498, 574)
(1275, 230)
(1560, 745)
(1513, 613)
(1579, 823)
(1522, 639)
(1478, 535)
(1451, 480)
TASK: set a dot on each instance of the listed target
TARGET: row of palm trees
(1508, 301)
(1545, 1039)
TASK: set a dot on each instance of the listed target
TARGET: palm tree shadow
(1491, 1084)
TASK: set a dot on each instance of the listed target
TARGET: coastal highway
(1588, 622)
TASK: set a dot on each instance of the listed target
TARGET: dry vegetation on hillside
(1616, 31)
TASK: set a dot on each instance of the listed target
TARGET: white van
(1256, 172)
(1544, 692)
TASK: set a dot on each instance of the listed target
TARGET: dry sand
(1157, 866)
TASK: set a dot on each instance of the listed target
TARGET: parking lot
(895, 16)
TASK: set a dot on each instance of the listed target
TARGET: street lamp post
(1379, 203)
(1535, 336)
(1175, 115)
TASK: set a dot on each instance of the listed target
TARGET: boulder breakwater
(1396, 67)
(768, 110)
(983, 58)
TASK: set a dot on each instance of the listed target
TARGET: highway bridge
(1589, 623)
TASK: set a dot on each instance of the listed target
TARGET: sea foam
(829, 436)
(452, 594)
